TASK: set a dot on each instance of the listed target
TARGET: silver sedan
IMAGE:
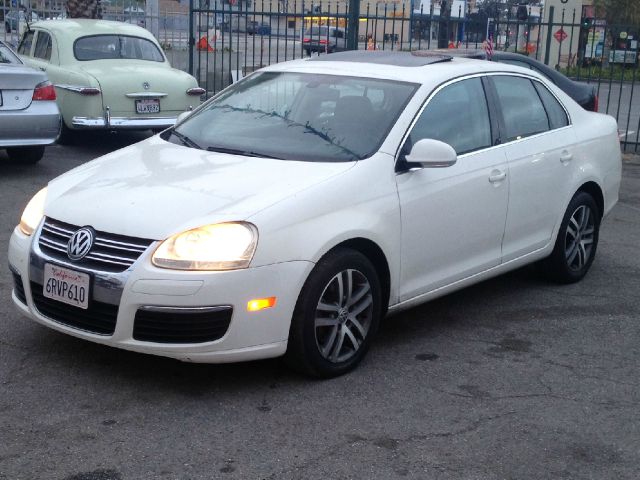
(29, 116)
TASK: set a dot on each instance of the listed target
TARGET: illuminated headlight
(222, 246)
(33, 213)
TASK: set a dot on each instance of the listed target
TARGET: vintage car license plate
(148, 105)
(67, 286)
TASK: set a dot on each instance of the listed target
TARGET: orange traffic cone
(203, 44)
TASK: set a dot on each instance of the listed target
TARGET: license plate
(148, 105)
(67, 286)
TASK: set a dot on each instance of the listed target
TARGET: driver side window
(457, 115)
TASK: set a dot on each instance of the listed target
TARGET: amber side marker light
(260, 304)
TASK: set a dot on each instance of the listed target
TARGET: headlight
(33, 213)
(223, 246)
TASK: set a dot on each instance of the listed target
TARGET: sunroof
(384, 57)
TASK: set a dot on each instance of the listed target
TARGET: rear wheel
(336, 316)
(577, 241)
(28, 155)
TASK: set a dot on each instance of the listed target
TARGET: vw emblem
(80, 243)
(146, 85)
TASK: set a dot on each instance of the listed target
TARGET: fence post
(191, 40)
(353, 24)
(549, 35)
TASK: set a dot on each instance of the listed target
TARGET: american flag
(489, 47)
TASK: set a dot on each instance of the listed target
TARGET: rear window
(7, 56)
(103, 47)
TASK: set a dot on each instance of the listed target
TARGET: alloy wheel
(343, 315)
(579, 238)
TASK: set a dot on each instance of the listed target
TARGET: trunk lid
(123, 82)
(17, 83)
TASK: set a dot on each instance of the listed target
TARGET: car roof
(72, 29)
(392, 66)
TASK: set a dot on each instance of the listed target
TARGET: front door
(453, 218)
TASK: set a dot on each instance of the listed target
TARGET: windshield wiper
(186, 141)
(239, 151)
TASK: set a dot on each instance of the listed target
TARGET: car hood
(154, 189)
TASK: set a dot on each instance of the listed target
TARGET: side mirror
(431, 153)
(182, 116)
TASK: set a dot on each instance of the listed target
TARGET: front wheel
(577, 240)
(336, 316)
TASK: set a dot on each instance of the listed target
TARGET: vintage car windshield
(103, 47)
(298, 116)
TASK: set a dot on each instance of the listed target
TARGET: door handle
(497, 176)
(566, 157)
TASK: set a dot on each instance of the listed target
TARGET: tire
(67, 136)
(7, 28)
(26, 155)
(330, 334)
(577, 241)
(308, 51)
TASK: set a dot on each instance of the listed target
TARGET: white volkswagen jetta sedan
(292, 211)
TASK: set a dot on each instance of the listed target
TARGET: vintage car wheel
(336, 316)
(28, 155)
(577, 241)
(67, 136)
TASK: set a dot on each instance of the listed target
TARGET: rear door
(539, 142)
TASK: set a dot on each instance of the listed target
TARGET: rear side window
(522, 110)
(555, 111)
(457, 115)
(25, 44)
(43, 46)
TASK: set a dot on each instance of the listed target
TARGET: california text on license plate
(65, 285)
(148, 105)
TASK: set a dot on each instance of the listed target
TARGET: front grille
(18, 288)
(109, 253)
(182, 326)
(99, 318)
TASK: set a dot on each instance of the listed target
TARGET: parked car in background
(289, 213)
(324, 39)
(258, 28)
(14, 17)
(108, 75)
(29, 116)
(584, 94)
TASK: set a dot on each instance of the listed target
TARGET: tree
(620, 12)
(84, 8)
(444, 25)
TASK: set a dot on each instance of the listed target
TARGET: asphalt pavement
(514, 378)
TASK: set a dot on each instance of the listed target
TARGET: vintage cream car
(108, 75)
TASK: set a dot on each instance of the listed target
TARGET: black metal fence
(230, 40)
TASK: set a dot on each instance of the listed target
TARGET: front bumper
(250, 335)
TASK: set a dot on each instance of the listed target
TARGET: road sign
(560, 35)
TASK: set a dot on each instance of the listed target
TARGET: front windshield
(299, 116)
(101, 47)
